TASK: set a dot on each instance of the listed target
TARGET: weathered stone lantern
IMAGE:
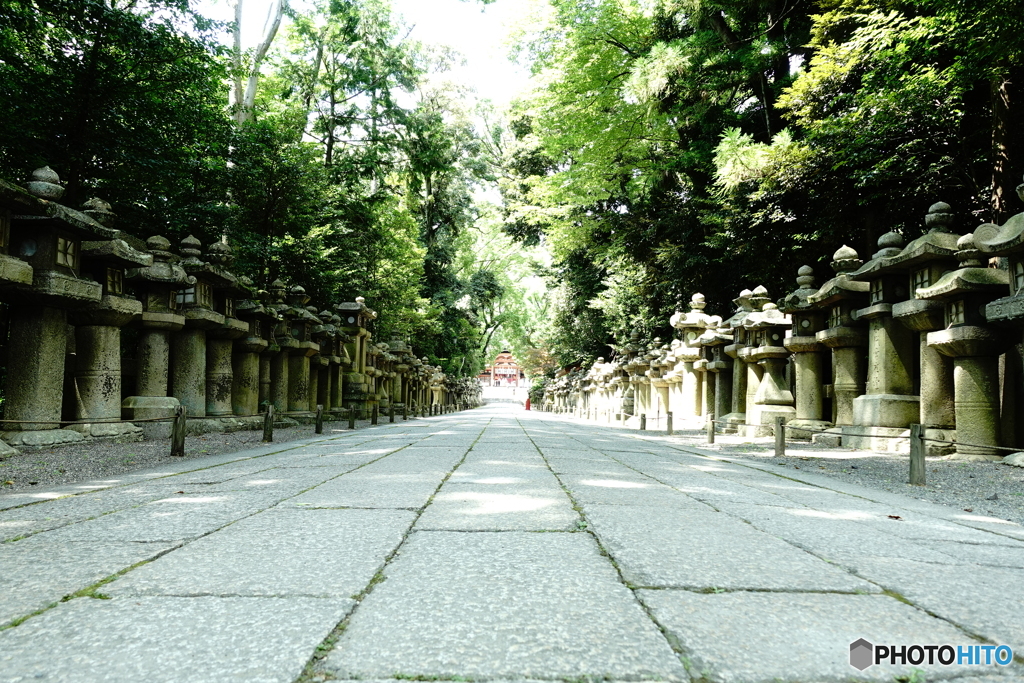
(220, 340)
(807, 352)
(687, 352)
(975, 348)
(300, 327)
(837, 300)
(98, 333)
(746, 342)
(718, 365)
(157, 287)
(47, 237)
(401, 352)
(189, 346)
(1007, 241)
(738, 404)
(356, 318)
(772, 398)
(891, 403)
(922, 263)
(285, 343)
(245, 363)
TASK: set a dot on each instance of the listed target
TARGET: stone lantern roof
(164, 267)
(1000, 240)
(797, 300)
(972, 276)
(844, 262)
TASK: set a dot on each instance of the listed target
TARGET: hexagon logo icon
(861, 654)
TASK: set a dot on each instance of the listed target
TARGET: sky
(475, 30)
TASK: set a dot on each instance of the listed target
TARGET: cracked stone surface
(502, 605)
(262, 640)
(493, 544)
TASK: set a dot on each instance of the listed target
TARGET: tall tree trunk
(1005, 104)
(243, 106)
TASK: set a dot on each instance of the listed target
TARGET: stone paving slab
(474, 507)
(173, 518)
(36, 572)
(984, 600)
(194, 640)
(361, 490)
(508, 605)
(312, 553)
(603, 490)
(55, 513)
(682, 548)
(972, 553)
(767, 637)
(839, 540)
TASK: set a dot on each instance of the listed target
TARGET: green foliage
(677, 146)
(123, 101)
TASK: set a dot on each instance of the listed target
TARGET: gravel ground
(99, 459)
(969, 486)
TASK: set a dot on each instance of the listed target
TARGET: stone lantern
(300, 324)
(98, 333)
(285, 343)
(922, 263)
(733, 327)
(838, 299)
(373, 377)
(1007, 241)
(189, 345)
(745, 342)
(687, 352)
(718, 366)
(157, 287)
(355, 322)
(975, 348)
(890, 403)
(401, 368)
(661, 365)
(327, 336)
(245, 365)
(220, 341)
(766, 331)
(321, 335)
(807, 351)
(47, 237)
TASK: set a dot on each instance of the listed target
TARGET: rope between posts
(900, 436)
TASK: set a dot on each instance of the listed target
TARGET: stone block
(886, 410)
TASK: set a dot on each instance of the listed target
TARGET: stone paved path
(493, 544)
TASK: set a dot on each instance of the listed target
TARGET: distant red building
(503, 372)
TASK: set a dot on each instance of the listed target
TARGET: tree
(122, 100)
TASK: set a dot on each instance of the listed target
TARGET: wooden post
(405, 411)
(643, 422)
(373, 414)
(668, 423)
(178, 432)
(780, 437)
(268, 424)
(709, 428)
(391, 413)
(352, 417)
(319, 428)
(917, 474)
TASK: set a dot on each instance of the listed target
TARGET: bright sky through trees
(475, 30)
